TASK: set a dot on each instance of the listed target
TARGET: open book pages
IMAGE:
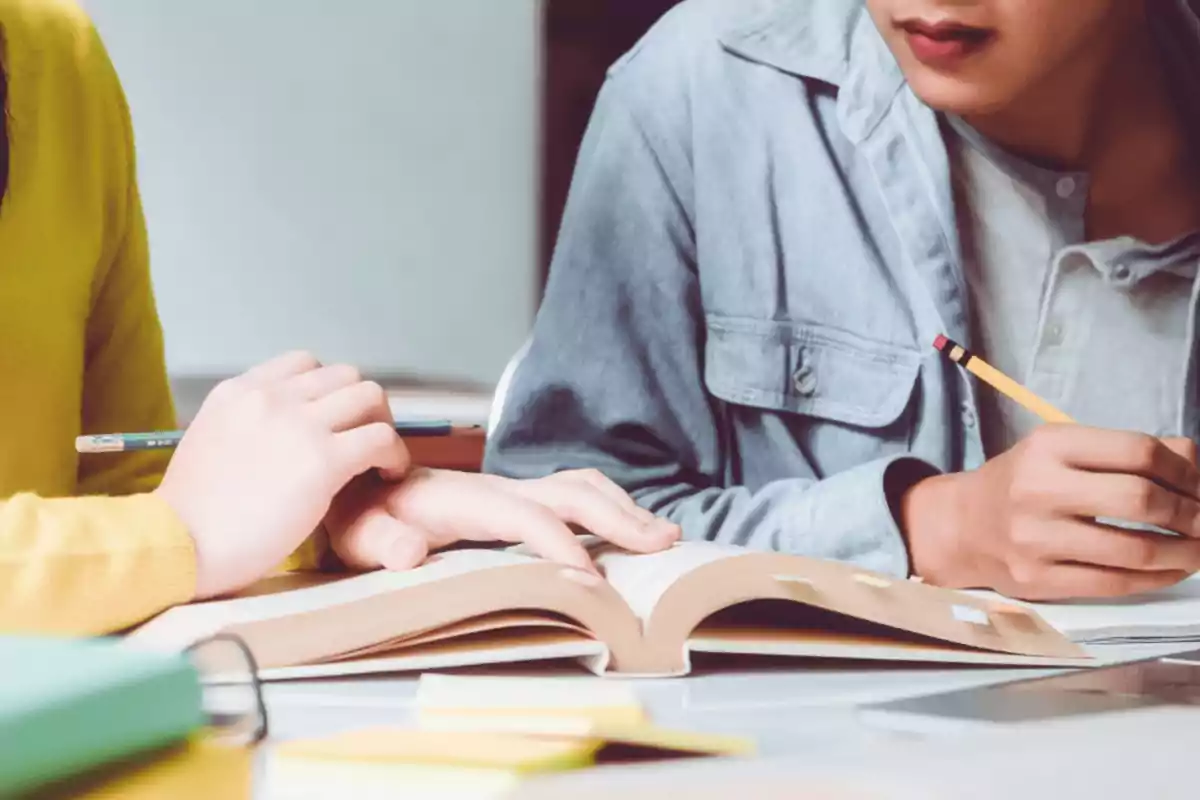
(301, 593)
(653, 612)
(1163, 617)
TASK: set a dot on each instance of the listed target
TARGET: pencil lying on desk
(999, 381)
(164, 440)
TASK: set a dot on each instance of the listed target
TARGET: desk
(804, 717)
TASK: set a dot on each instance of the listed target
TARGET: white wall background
(356, 177)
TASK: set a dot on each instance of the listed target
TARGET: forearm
(89, 566)
(847, 517)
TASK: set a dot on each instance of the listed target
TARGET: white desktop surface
(804, 718)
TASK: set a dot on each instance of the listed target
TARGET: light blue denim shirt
(758, 251)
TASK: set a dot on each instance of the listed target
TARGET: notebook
(650, 615)
(1167, 616)
(68, 706)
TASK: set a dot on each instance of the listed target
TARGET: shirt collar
(833, 41)
(812, 42)
(836, 42)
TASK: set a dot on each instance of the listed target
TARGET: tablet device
(1161, 681)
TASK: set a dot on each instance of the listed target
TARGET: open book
(1167, 616)
(653, 611)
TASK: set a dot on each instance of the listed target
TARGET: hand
(395, 526)
(267, 452)
(1025, 523)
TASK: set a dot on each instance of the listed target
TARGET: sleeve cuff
(174, 549)
(855, 512)
(91, 565)
(313, 555)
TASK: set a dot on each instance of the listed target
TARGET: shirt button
(1065, 187)
(804, 380)
(1120, 273)
(968, 416)
(1054, 334)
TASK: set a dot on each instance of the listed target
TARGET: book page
(179, 627)
(1168, 614)
(643, 579)
(1173, 612)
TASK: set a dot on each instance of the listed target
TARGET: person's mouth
(945, 44)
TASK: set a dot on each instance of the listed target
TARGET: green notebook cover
(69, 705)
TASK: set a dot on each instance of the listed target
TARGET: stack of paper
(484, 736)
(1167, 616)
(605, 712)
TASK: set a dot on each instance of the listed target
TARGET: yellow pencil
(999, 381)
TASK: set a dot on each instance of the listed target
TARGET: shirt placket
(922, 215)
(1065, 314)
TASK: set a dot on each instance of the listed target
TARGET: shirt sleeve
(91, 565)
(613, 377)
(125, 386)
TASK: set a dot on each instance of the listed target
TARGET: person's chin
(956, 95)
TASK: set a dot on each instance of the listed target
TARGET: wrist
(931, 520)
(202, 577)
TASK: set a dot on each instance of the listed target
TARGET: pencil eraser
(941, 342)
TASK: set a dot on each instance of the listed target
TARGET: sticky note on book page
(971, 615)
(589, 700)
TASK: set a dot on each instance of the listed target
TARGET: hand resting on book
(291, 443)
(375, 523)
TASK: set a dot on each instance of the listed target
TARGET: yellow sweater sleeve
(90, 565)
(125, 386)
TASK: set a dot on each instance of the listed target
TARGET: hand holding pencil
(1026, 525)
(292, 447)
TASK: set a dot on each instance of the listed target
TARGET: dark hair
(4, 147)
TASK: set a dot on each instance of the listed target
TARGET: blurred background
(378, 182)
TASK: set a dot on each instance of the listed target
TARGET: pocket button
(970, 420)
(804, 380)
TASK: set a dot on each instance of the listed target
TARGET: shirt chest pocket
(842, 400)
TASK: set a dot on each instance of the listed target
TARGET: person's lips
(943, 45)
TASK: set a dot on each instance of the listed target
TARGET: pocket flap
(808, 369)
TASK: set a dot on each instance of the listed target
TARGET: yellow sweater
(83, 548)
(81, 348)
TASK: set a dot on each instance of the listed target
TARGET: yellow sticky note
(591, 699)
(652, 736)
(638, 734)
(445, 748)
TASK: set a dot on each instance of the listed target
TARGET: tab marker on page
(969, 614)
(1008, 608)
(874, 581)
